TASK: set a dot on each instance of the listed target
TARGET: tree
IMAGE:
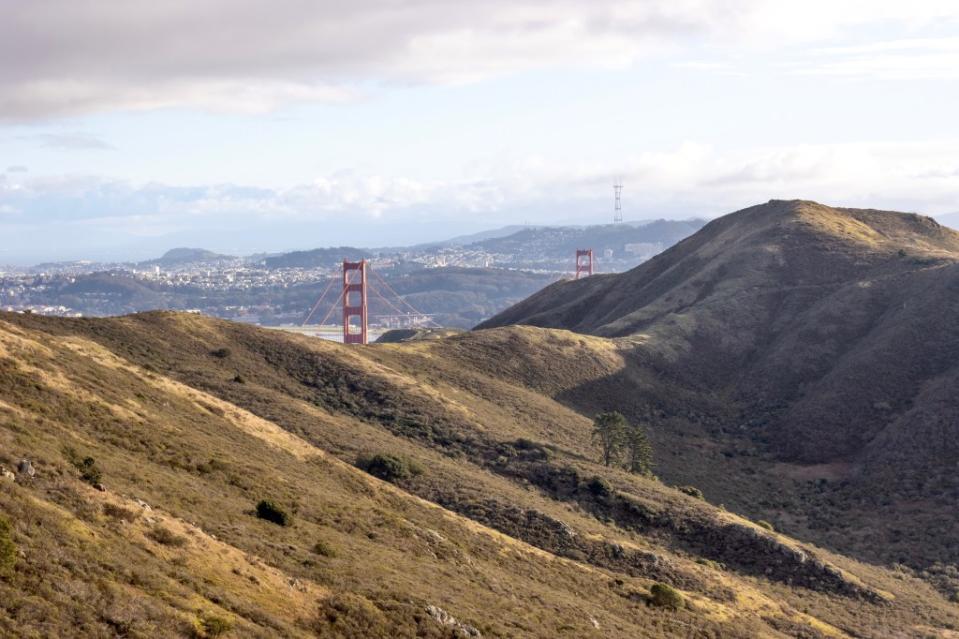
(610, 430)
(639, 452)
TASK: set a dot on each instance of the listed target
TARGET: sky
(128, 128)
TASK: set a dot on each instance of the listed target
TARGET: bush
(351, 615)
(220, 353)
(762, 523)
(715, 565)
(166, 537)
(8, 549)
(89, 471)
(324, 549)
(599, 486)
(692, 491)
(212, 626)
(391, 468)
(271, 512)
(665, 597)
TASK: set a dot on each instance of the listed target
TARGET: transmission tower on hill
(618, 206)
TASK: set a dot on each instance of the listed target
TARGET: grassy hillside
(817, 352)
(154, 437)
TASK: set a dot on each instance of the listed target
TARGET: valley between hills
(795, 365)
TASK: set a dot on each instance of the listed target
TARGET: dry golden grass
(201, 450)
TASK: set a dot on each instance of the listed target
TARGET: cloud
(920, 176)
(69, 141)
(17, 168)
(67, 57)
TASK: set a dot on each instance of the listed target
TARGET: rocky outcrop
(446, 619)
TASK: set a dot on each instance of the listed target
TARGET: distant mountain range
(550, 248)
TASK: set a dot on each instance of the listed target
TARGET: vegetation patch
(664, 596)
(269, 511)
(166, 537)
(119, 512)
(8, 549)
(348, 615)
(87, 466)
(692, 491)
(623, 443)
(388, 467)
(324, 549)
(212, 626)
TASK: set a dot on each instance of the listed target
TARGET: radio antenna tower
(618, 207)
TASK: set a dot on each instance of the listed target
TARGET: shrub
(212, 626)
(709, 563)
(89, 471)
(238, 379)
(8, 549)
(220, 353)
(324, 549)
(391, 468)
(665, 597)
(271, 512)
(692, 491)
(351, 615)
(599, 486)
(765, 524)
(166, 537)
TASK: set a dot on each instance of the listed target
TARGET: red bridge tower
(584, 263)
(354, 302)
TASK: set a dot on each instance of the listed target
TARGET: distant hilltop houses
(460, 282)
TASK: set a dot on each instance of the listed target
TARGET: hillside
(818, 349)
(314, 258)
(616, 246)
(181, 256)
(154, 436)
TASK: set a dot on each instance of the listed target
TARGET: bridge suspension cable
(413, 313)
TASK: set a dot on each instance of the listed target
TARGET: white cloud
(919, 176)
(64, 57)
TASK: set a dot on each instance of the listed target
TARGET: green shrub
(212, 626)
(271, 512)
(715, 565)
(324, 549)
(665, 597)
(8, 549)
(599, 486)
(692, 491)
(762, 523)
(166, 537)
(89, 471)
(351, 615)
(391, 468)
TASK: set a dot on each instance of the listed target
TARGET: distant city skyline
(130, 128)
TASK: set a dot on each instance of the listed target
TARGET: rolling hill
(154, 438)
(815, 346)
